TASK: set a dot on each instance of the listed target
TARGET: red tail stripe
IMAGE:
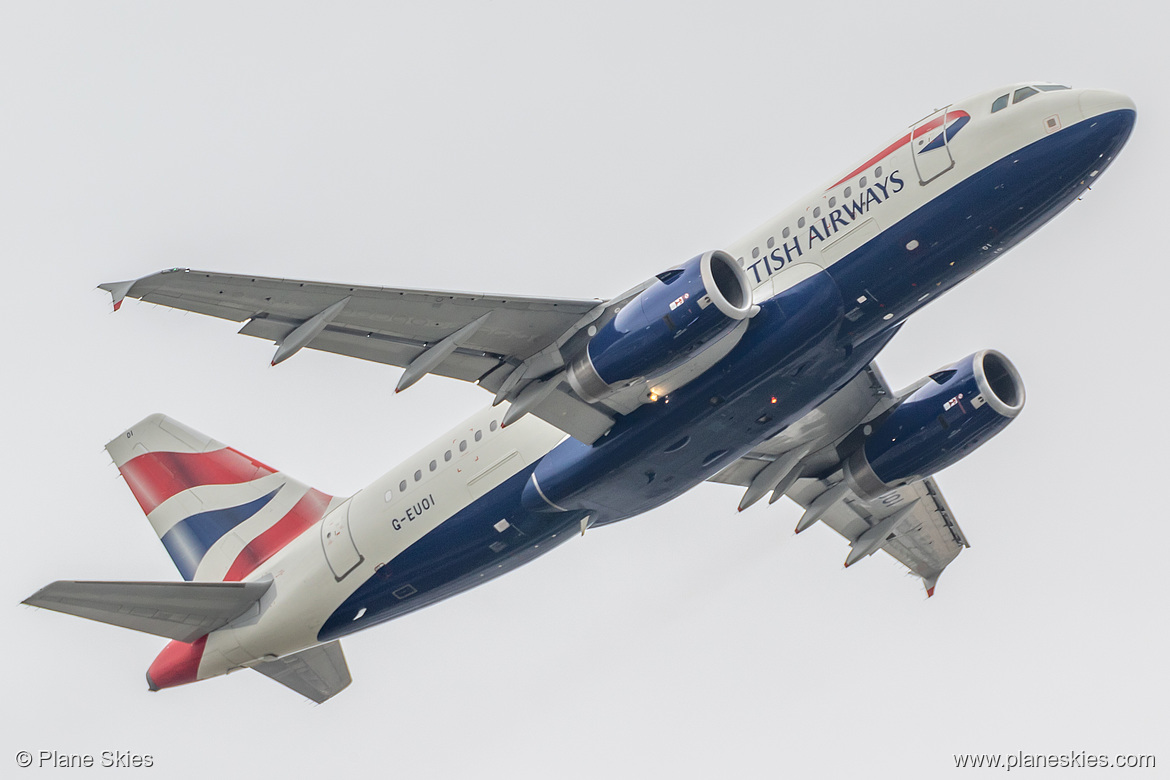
(156, 476)
(177, 664)
(300, 518)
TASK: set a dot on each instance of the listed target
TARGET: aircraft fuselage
(834, 276)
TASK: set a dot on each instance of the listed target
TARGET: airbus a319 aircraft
(750, 366)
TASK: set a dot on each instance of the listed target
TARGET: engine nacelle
(687, 310)
(958, 409)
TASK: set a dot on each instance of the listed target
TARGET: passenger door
(930, 147)
(340, 550)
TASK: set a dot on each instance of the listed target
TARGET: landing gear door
(931, 148)
(340, 550)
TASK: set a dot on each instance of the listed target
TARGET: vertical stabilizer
(219, 513)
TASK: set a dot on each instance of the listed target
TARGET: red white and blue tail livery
(219, 513)
(751, 365)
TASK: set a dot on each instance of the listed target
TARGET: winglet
(930, 582)
(117, 290)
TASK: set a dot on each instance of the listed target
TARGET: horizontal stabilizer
(319, 673)
(177, 610)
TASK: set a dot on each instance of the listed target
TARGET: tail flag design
(219, 513)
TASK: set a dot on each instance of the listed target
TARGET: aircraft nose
(1095, 102)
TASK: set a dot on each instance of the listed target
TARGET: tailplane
(219, 513)
(319, 673)
(185, 611)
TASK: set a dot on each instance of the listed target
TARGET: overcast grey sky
(524, 148)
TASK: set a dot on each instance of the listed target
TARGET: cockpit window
(1051, 87)
(1000, 103)
(1023, 93)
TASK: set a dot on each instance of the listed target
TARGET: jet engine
(956, 410)
(685, 311)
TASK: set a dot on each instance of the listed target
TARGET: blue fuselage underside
(798, 350)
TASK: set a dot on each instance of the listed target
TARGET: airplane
(751, 366)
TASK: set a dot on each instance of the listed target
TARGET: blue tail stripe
(190, 539)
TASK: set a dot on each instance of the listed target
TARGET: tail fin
(219, 513)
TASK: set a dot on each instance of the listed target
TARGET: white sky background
(518, 148)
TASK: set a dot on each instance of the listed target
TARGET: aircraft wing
(503, 343)
(912, 523)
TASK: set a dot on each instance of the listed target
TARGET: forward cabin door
(931, 147)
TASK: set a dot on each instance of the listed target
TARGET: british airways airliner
(752, 365)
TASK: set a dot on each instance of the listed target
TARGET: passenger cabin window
(1000, 103)
(786, 233)
(418, 475)
(495, 425)
(1023, 93)
(447, 455)
(402, 486)
(478, 435)
(463, 446)
(433, 465)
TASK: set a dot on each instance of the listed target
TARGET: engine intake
(685, 311)
(956, 411)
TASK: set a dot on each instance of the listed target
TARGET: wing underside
(912, 523)
(383, 324)
(513, 346)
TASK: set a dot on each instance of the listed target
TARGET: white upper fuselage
(985, 139)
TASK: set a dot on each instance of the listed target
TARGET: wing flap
(925, 540)
(319, 673)
(176, 610)
(377, 347)
(573, 416)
